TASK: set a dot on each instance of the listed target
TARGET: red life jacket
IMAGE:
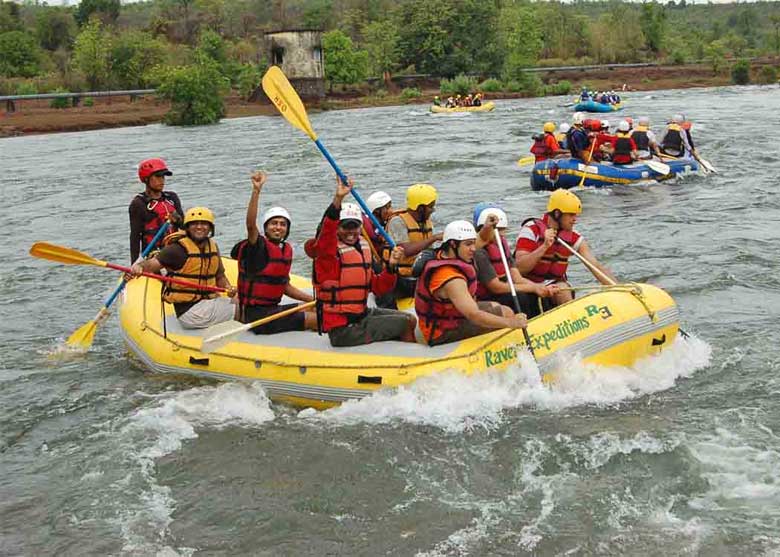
(157, 214)
(440, 315)
(495, 259)
(376, 239)
(348, 294)
(555, 260)
(539, 149)
(622, 153)
(266, 286)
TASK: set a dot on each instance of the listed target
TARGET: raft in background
(484, 107)
(593, 106)
(615, 326)
(566, 173)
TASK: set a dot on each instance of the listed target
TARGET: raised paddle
(83, 336)
(223, 333)
(596, 270)
(281, 92)
(69, 256)
(500, 245)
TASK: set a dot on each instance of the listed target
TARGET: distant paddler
(543, 260)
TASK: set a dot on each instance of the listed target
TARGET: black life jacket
(641, 140)
(622, 154)
(673, 141)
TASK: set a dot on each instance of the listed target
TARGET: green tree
(106, 10)
(19, 54)
(380, 40)
(54, 27)
(196, 93)
(740, 72)
(10, 17)
(211, 45)
(775, 20)
(343, 62)
(520, 34)
(133, 55)
(92, 54)
(652, 21)
(715, 53)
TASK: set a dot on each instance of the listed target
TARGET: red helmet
(149, 166)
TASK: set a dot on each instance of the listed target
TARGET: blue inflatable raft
(593, 106)
(552, 174)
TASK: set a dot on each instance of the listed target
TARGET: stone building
(299, 53)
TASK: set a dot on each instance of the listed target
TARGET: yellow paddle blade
(52, 252)
(83, 336)
(287, 101)
(526, 160)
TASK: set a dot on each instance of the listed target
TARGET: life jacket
(495, 259)
(561, 139)
(376, 239)
(266, 286)
(572, 144)
(539, 149)
(440, 315)
(417, 233)
(639, 136)
(622, 153)
(555, 261)
(157, 215)
(201, 266)
(673, 142)
(348, 294)
(591, 124)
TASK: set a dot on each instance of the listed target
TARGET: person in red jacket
(344, 275)
(546, 146)
(624, 149)
(605, 142)
(264, 263)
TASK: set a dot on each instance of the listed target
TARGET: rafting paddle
(500, 245)
(283, 95)
(590, 158)
(69, 256)
(223, 333)
(596, 270)
(83, 336)
(525, 161)
(657, 166)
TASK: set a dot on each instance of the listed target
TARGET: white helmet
(502, 220)
(644, 121)
(578, 118)
(350, 211)
(605, 124)
(678, 119)
(459, 230)
(564, 127)
(276, 212)
(376, 200)
(623, 126)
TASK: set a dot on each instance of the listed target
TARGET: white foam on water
(157, 430)
(456, 402)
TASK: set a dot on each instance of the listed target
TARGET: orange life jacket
(417, 233)
(495, 259)
(555, 261)
(348, 294)
(266, 286)
(201, 266)
(438, 315)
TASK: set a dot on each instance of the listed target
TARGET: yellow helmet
(549, 127)
(197, 214)
(420, 194)
(564, 201)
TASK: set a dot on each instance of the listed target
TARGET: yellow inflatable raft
(484, 107)
(613, 326)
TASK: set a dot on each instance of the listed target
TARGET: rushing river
(678, 456)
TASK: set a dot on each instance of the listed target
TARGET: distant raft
(552, 174)
(614, 326)
(484, 107)
(593, 106)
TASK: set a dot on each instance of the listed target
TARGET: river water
(680, 455)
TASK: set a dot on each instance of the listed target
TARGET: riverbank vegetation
(175, 44)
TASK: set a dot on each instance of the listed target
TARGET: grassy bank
(36, 117)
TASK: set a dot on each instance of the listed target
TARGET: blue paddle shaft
(147, 249)
(355, 194)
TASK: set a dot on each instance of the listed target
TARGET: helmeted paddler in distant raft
(541, 258)
(194, 256)
(264, 263)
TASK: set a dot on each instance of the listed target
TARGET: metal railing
(11, 100)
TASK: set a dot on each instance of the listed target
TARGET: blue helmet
(481, 207)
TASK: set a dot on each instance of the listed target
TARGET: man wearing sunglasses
(150, 209)
(344, 275)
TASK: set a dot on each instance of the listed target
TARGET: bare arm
(527, 260)
(458, 293)
(584, 251)
(252, 232)
(297, 294)
(413, 248)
